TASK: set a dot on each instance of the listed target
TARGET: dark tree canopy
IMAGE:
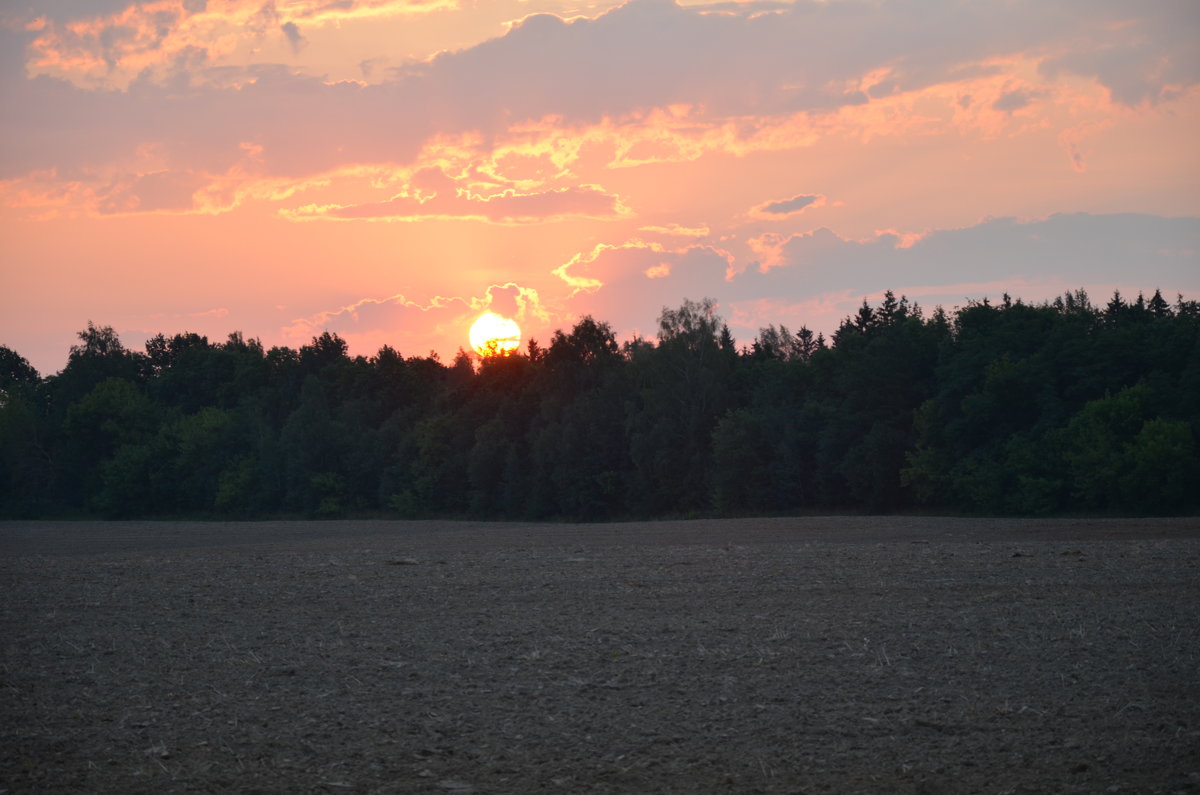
(1004, 407)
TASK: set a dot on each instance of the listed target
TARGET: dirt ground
(844, 654)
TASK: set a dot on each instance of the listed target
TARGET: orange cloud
(777, 250)
(492, 117)
(902, 239)
(507, 207)
(686, 133)
(369, 323)
(148, 184)
(218, 312)
(607, 263)
(770, 246)
(157, 38)
(677, 230)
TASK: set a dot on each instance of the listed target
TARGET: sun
(493, 335)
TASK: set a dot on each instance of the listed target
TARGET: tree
(1160, 474)
(99, 355)
(777, 343)
(589, 343)
(114, 416)
(311, 446)
(999, 408)
(26, 468)
(15, 372)
(682, 389)
(807, 344)
(1159, 306)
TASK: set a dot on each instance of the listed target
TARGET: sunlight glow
(493, 335)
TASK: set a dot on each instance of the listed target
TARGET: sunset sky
(391, 169)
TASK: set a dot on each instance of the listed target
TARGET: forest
(1007, 408)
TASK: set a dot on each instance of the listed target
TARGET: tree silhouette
(1003, 407)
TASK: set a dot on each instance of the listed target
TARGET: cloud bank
(358, 161)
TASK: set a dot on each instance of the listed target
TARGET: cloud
(656, 121)
(143, 185)
(218, 312)
(395, 320)
(628, 284)
(401, 322)
(1072, 140)
(508, 207)
(152, 192)
(810, 57)
(1032, 259)
(784, 208)
(119, 43)
(1141, 58)
(777, 250)
(1077, 250)
(512, 300)
(368, 314)
(608, 265)
(677, 230)
(296, 39)
(566, 88)
(1012, 100)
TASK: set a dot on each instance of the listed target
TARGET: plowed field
(766, 655)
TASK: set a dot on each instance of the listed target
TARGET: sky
(391, 169)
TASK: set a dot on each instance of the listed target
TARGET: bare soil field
(846, 654)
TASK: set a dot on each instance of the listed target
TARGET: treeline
(1006, 408)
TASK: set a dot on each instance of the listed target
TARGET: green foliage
(1004, 408)
(26, 470)
(1120, 458)
(1094, 444)
(1162, 474)
(743, 457)
(239, 488)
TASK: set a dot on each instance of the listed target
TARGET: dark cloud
(1077, 250)
(295, 39)
(644, 54)
(71, 10)
(1012, 100)
(1145, 55)
(787, 206)
(158, 191)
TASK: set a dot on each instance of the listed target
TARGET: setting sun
(493, 335)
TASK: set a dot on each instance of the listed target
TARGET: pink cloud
(650, 119)
(216, 313)
(783, 82)
(776, 250)
(607, 264)
(677, 230)
(508, 207)
(169, 191)
(155, 40)
(403, 323)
